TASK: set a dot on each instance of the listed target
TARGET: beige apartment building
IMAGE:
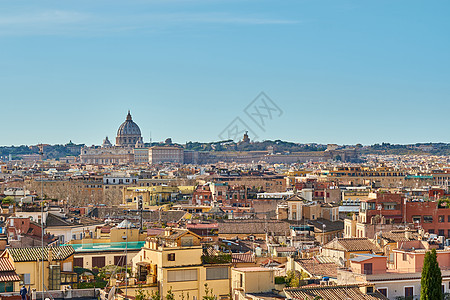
(173, 261)
(162, 154)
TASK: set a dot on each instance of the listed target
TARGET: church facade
(128, 144)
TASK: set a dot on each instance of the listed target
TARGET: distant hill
(277, 146)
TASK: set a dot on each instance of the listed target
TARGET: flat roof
(253, 269)
(119, 246)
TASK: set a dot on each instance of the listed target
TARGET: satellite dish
(111, 293)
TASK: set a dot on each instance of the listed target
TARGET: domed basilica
(129, 134)
(129, 147)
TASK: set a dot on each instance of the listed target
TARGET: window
(405, 257)
(78, 262)
(441, 219)
(54, 277)
(171, 257)
(383, 291)
(448, 218)
(389, 206)
(187, 241)
(409, 292)
(119, 260)
(428, 219)
(441, 232)
(368, 269)
(182, 275)
(67, 266)
(24, 279)
(416, 219)
(98, 262)
(6, 287)
(391, 257)
(216, 273)
(431, 231)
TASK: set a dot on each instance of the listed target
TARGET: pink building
(402, 279)
(368, 264)
(409, 256)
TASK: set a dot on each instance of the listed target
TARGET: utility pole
(126, 254)
(140, 207)
(41, 153)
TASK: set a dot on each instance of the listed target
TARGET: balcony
(220, 258)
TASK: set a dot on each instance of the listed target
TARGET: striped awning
(9, 276)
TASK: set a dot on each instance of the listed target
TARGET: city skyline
(342, 73)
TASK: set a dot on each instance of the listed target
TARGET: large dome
(128, 127)
(128, 133)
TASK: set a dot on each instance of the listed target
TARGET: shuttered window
(216, 273)
(78, 262)
(98, 262)
(119, 260)
(182, 275)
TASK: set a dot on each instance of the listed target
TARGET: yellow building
(57, 264)
(109, 250)
(151, 195)
(173, 260)
(252, 280)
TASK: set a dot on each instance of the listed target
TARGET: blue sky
(341, 71)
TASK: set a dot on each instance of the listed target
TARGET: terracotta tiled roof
(316, 268)
(296, 198)
(9, 276)
(352, 244)
(7, 271)
(286, 249)
(253, 227)
(36, 253)
(332, 293)
(242, 257)
(6, 265)
(399, 236)
(329, 225)
(175, 233)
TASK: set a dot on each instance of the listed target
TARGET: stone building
(128, 144)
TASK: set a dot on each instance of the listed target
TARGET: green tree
(183, 297)
(292, 279)
(170, 295)
(7, 200)
(155, 296)
(431, 282)
(208, 293)
(141, 294)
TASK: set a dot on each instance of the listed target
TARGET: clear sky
(339, 71)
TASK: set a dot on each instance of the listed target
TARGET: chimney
(408, 234)
(168, 231)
